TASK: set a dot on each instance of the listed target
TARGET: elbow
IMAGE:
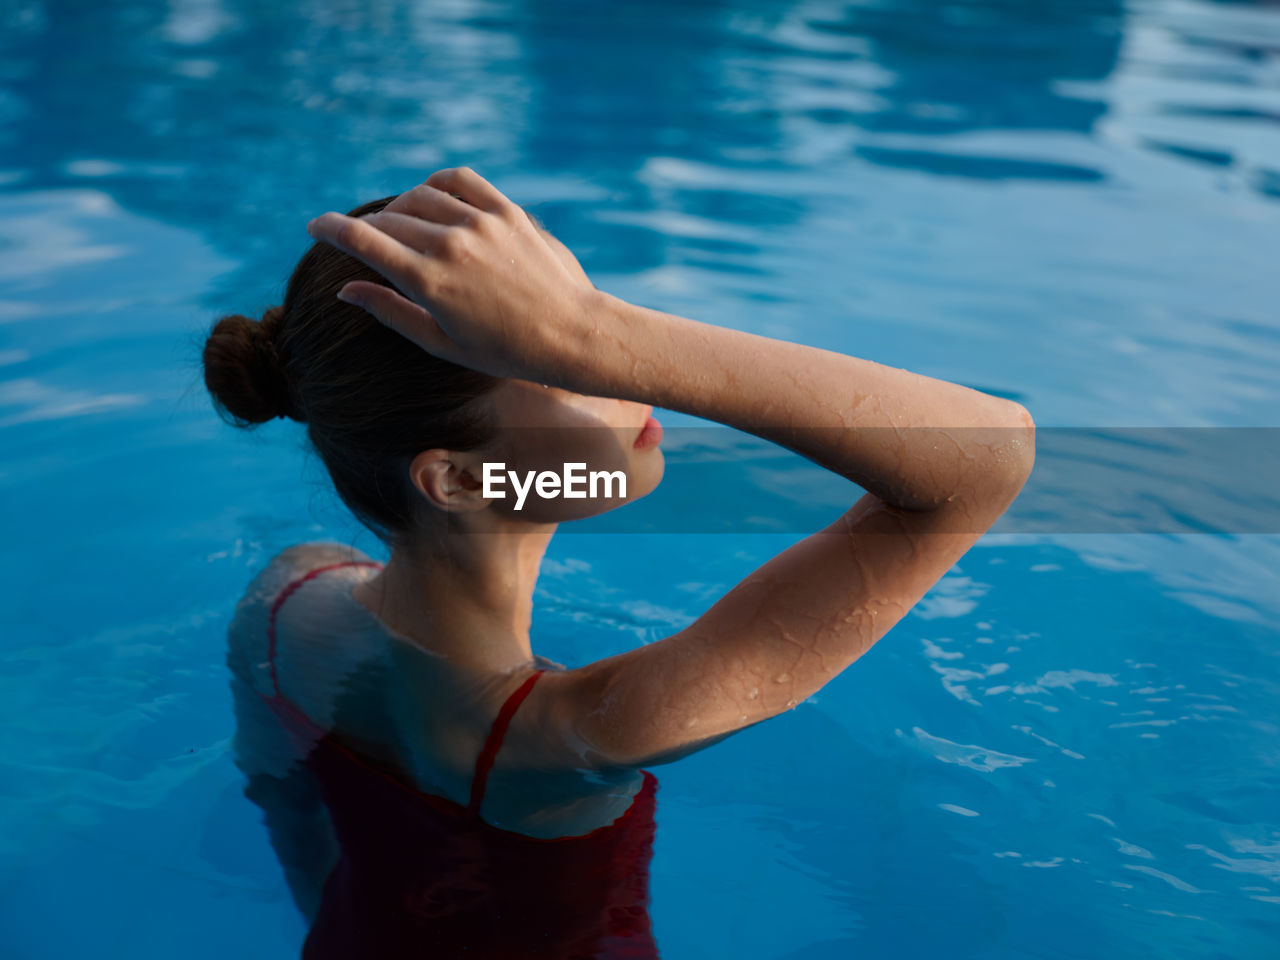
(1025, 439)
(999, 464)
(1016, 456)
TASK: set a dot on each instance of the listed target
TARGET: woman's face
(544, 428)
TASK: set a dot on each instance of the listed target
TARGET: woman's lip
(648, 415)
(650, 435)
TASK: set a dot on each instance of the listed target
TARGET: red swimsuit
(422, 876)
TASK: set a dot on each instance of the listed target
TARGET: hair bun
(271, 320)
(242, 369)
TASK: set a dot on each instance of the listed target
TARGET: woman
(429, 782)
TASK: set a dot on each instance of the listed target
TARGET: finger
(402, 315)
(414, 232)
(471, 187)
(429, 203)
(376, 249)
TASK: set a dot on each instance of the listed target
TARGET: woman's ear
(447, 480)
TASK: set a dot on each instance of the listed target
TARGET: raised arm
(913, 441)
(942, 462)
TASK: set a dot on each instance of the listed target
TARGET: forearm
(914, 441)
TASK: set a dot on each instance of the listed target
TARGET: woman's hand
(478, 285)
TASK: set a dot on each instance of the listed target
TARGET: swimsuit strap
(494, 743)
(279, 602)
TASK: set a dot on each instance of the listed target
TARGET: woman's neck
(465, 597)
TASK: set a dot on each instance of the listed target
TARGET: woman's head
(401, 432)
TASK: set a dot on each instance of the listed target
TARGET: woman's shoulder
(295, 562)
(319, 617)
(302, 558)
(320, 657)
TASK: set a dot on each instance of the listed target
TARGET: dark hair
(371, 399)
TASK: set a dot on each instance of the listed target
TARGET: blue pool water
(1069, 749)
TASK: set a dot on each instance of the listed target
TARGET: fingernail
(311, 223)
(348, 298)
